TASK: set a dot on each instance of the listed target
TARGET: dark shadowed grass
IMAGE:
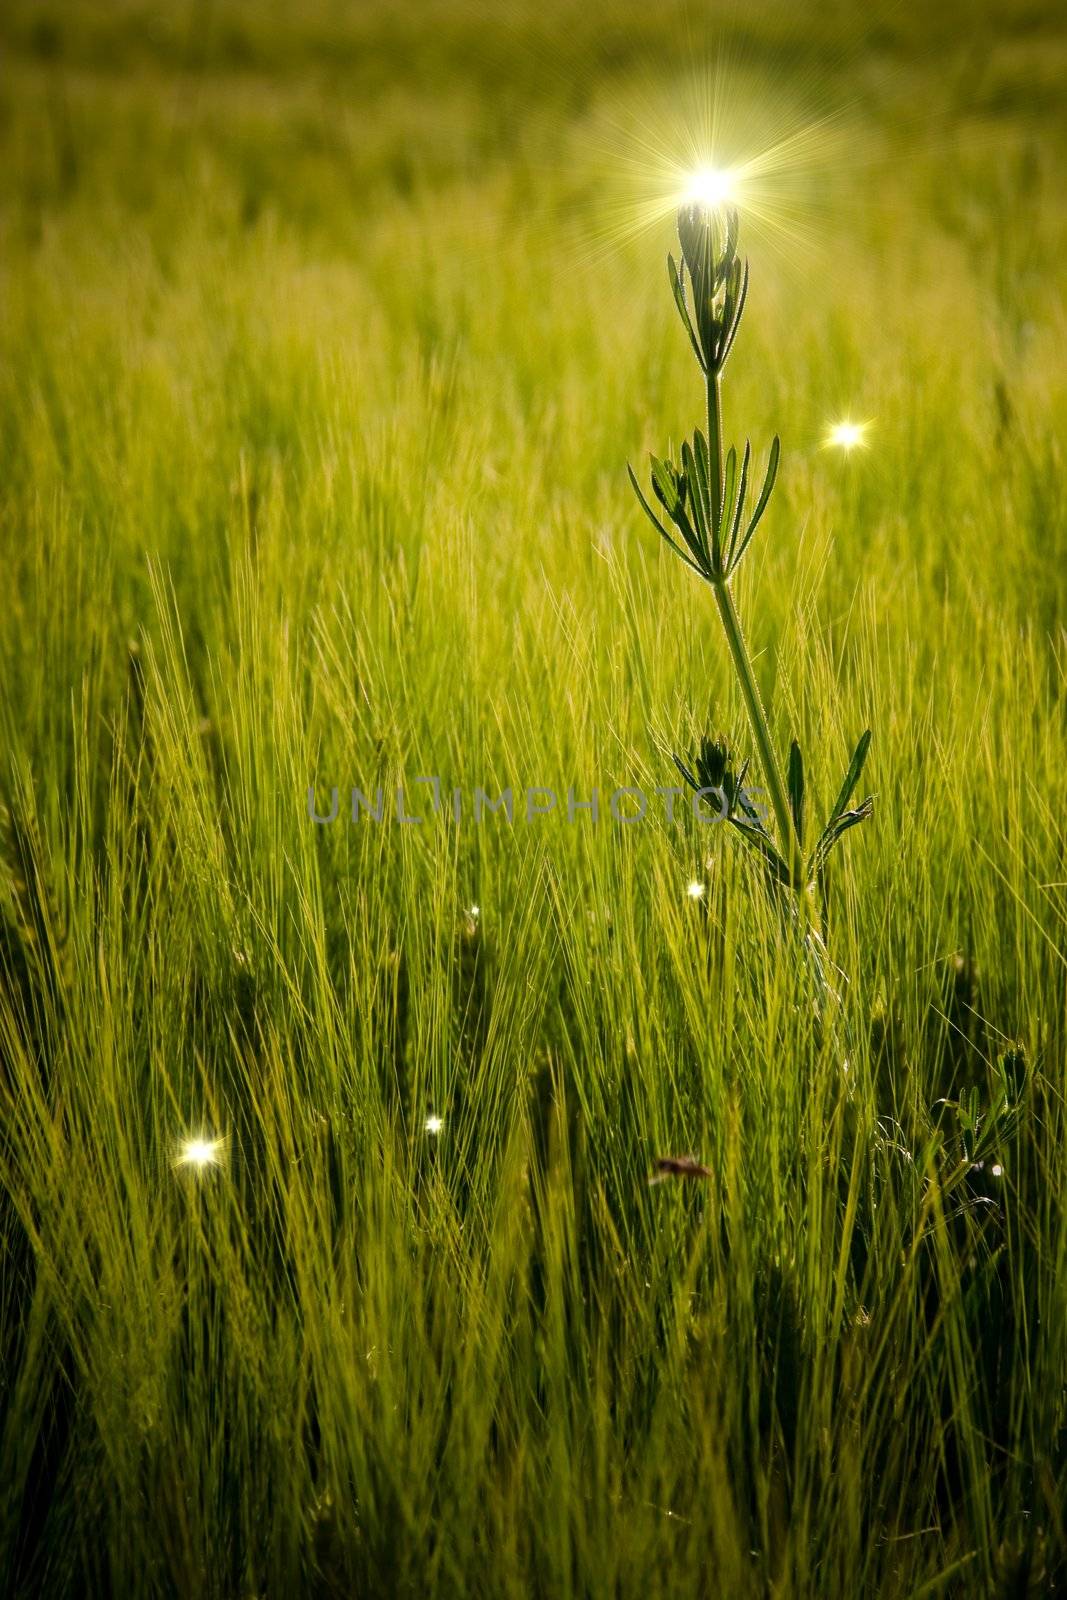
(313, 430)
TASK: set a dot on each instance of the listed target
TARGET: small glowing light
(997, 1170)
(200, 1153)
(712, 187)
(847, 435)
(434, 1124)
(475, 913)
(695, 890)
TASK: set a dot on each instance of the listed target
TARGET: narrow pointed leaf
(729, 478)
(795, 783)
(765, 495)
(833, 831)
(651, 515)
(739, 508)
(700, 528)
(686, 774)
(760, 842)
(696, 469)
(660, 529)
(852, 776)
(665, 484)
(728, 342)
(703, 466)
(678, 290)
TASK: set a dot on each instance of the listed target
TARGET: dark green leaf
(692, 781)
(703, 472)
(678, 290)
(665, 484)
(852, 776)
(833, 831)
(760, 842)
(795, 783)
(742, 490)
(660, 529)
(703, 489)
(729, 479)
(696, 500)
(765, 495)
(731, 333)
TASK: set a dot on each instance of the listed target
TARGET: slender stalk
(735, 640)
(712, 538)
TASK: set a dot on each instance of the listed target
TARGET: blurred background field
(326, 333)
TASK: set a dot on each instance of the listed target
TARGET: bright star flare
(200, 1153)
(727, 136)
(846, 435)
(712, 187)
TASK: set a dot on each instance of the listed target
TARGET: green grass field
(325, 340)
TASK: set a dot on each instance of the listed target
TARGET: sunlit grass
(312, 450)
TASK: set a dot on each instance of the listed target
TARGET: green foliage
(705, 498)
(311, 419)
(709, 526)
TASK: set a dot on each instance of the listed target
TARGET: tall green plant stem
(735, 640)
